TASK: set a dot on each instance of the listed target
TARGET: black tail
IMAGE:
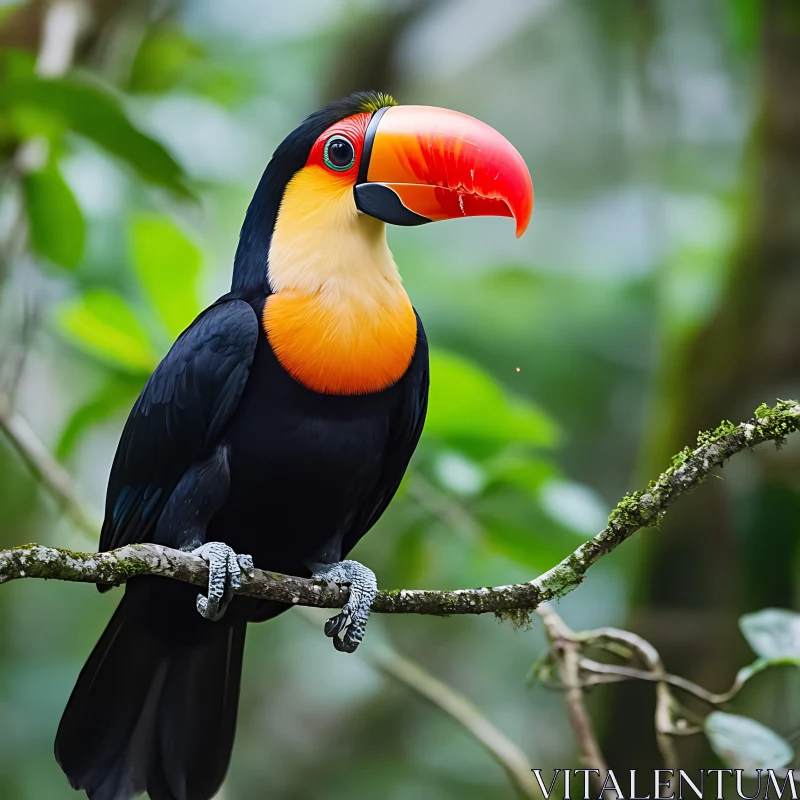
(154, 709)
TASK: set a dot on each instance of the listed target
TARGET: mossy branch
(639, 510)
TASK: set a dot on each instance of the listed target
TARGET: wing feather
(178, 418)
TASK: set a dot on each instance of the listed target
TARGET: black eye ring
(339, 153)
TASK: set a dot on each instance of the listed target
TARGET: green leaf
(537, 550)
(520, 470)
(57, 228)
(16, 64)
(102, 324)
(468, 405)
(168, 60)
(520, 530)
(85, 108)
(167, 265)
(117, 393)
(743, 743)
(773, 633)
(161, 61)
(744, 22)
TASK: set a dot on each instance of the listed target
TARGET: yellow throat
(339, 320)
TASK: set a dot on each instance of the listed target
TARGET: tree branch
(452, 703)
(567, 651)
(60, 33)
(455, 705)
(641, 509)
(44, 468)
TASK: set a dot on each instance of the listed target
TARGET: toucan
(275, 432)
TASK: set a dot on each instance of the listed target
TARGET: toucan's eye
(339, 154)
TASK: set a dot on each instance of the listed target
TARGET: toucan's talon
(224, 576)
(348, 627)
(347, 644)
(246, 564)
(334, 626)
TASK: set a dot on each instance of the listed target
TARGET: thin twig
(455, 705)
(651, 659)
(18, 355)
(613, 673)
(665, 730)
(45, 469)
(577, 672)
(62, 26)
(416, 678)
(566, 649)
(60, 31)
(443, 506)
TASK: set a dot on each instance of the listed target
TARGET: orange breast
(341, 348)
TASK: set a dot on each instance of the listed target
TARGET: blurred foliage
(105, 325)
(53, 107)
(474, 412)
(556, 359)
(57, 229)
(745, 744)
(167, 265)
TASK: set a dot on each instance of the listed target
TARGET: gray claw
(224, 575)
(347, 628)
(246, 565)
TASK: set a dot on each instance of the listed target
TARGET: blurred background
(656, 292)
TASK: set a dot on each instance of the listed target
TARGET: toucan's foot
(347, 629)
(224, 575)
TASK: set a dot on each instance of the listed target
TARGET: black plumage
(223, 445)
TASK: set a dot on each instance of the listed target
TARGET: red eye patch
(330, 151)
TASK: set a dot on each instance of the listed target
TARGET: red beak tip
(522, 224)
(521, 207)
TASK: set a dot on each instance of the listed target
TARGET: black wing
(178, 418)
(405, 433)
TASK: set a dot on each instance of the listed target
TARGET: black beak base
(379, 201)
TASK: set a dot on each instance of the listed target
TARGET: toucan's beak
(422, 164)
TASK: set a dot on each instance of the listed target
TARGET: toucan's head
(408, 165)
(365, 159)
